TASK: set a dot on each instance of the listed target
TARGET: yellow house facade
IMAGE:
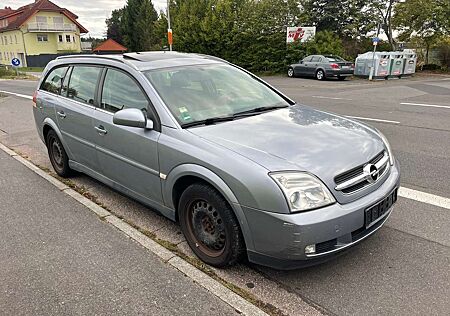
(37, 33)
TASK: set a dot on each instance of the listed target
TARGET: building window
(60, 38)
(68, 38)
(58, 20)
(6, 40)
(74, 39)
(10, 39)
(2, 39)
(41, 19)
(42, 38)
(15, 36)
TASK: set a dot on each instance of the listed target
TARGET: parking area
(403, 269)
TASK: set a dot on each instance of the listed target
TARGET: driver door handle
(101, 130)
(61, 114)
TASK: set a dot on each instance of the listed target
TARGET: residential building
(37, 33)
(109, 46)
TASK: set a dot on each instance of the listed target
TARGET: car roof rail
(90, 56)
(119, 58)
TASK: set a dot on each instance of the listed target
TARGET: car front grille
(354, 180)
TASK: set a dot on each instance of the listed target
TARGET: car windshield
(334, 58)
(204, 92)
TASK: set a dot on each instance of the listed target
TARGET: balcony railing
(46, 27)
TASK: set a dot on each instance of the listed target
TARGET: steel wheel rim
(206, 228)
(56, 151)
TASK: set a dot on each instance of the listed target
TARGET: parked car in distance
(322, 67)
(244, 169)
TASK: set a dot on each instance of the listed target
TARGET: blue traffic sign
(375, 39)
(15, 62)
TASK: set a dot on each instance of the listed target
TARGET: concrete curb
(198, 276)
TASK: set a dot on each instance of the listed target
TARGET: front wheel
(320, 75)
(210, 226)
(290, 72)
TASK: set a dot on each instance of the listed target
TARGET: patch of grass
(32, 69)
(10, 73)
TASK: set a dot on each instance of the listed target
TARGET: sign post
(375, 41)
(169, 29)
(15, 62)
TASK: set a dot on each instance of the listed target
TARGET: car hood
(298, 138)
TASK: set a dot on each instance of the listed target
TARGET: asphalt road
(405, 267)
(58, 258)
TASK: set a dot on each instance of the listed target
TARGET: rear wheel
(210, 226)
(320, 74)
(290, 72)
(57, 154)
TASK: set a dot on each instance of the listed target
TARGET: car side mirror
(132, 118)
(300, 62)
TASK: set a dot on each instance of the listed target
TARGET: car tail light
(35, 98)
(353, 65)
(334, 66)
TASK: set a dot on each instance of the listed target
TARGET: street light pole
(169, 29)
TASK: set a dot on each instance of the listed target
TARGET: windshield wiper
(259, 110)
(209, 121)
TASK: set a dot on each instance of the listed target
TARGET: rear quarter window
(54, 79)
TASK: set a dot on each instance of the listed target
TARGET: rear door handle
(101, 130)
(61, 114)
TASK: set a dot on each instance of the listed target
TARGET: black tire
(57, 154)
(290, 72)
(341, 78)
(210, 226)
(320, 74)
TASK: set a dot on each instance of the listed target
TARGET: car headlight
(302, 190)
(388, 147)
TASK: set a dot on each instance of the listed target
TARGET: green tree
(424, 21)
(113, 25)
(138, 25)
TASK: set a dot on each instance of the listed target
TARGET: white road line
(332, 98)
(372, 119)
(427, 105)
(424, 197)
(29, 97)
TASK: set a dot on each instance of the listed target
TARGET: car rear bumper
(279, 240)
(339, 72)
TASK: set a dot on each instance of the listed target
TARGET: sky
(91, 13)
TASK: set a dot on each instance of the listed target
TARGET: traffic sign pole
(15, 62)
(375, 43)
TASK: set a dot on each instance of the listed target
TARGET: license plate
(377, 211)
(345, 67)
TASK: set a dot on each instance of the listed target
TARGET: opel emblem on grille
(371, 173)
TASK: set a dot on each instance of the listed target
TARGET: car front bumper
(279, 240)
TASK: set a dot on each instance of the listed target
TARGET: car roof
(150, 60)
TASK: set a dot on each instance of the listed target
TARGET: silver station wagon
(246, 171)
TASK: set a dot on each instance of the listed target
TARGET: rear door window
(120, 91)
(54, 80)
(83, 83)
